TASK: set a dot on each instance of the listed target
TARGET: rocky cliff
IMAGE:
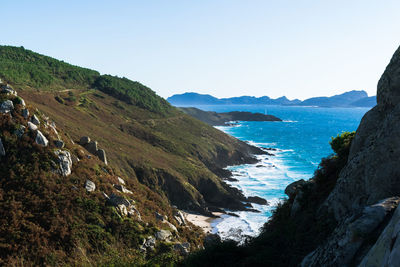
(362, 200)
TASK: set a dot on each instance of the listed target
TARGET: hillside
(348, 99)
(220, 119)
(348, 214)
(141, 138)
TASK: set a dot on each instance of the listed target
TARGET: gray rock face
(164, 235)
(25, 113)
(35, 120)
(7, 106)
(92, 147)
(21, 102)
(64, 162)
(160, 217)
(41, 139)
(32, 126)
(59, 143)
(90, 186)
(2, 150)
(372, 172)
(386, 251)
(102, 155)
(84, 140)
(350, 235)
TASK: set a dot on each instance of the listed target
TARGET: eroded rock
(59, 143)
(19, 132)
(292, 189)
(25, 113)
(182, 248)
(92, 147)
(122, 189)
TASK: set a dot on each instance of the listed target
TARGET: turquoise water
(301, 140)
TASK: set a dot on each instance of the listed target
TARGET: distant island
(220, 119)
(349, 99)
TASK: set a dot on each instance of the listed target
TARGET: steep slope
(145, 138)
(60, 205)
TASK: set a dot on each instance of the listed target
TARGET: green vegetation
(286, 238)
(25, 68)
(132, 92)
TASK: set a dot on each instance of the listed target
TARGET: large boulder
(121, 181)
(41, 139)
(92, 147)
(7, 106)
(32, 126)
(84, 140)
(102, 155)
(164, 235)
(64, 162)
(90, 186)
(2, 150)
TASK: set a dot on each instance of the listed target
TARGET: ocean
(299, 143)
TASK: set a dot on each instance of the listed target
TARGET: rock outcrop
(91, 146)
(64, 162)
(371, 174)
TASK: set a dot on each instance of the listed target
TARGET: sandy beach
(202, 221)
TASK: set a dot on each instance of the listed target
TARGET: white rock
(121, 181)
(41, 139)
(64, 161)
(32, 126)
(90, 186)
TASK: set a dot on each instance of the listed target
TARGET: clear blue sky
(225, 48)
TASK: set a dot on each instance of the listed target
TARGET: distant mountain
(349, 99)
(200, 99)
(219, 119)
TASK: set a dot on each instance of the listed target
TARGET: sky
(225, 48)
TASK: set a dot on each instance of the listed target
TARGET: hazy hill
(218, 119)
(348, 99)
